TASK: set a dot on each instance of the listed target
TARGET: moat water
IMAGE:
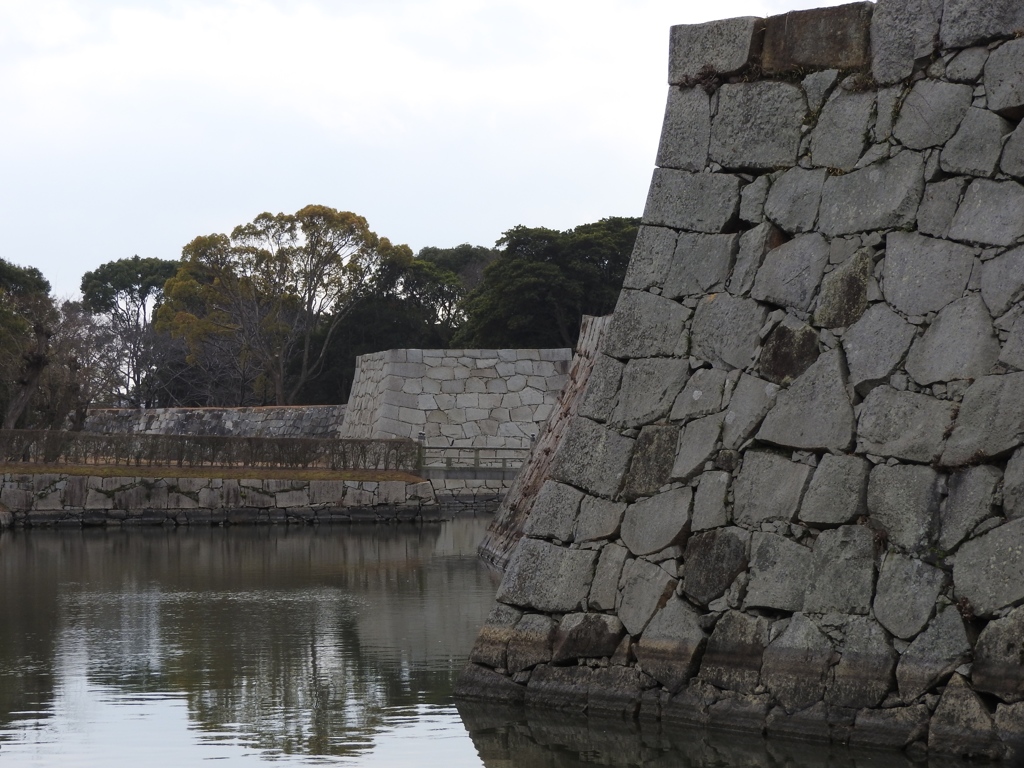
(337, 645)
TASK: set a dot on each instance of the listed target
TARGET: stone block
(709, 502)
(702, 395)
(904, 501)
(554, 511)
(671, 646)
(593, 458)
(656, 523)
(841, 134)
(977, 145)
(492, 640)
(724, 330)
(643, 589)
(614, 692)
(863, 677)
(997, 665)
(720, 47)
(732, 660)
(754, 245)
(941, 199)
(842, 571)
(906, 593)
(904, 425)
(780, 570)
(790, 274)
(990, 422)
(934, 654)
(893, 728)
(960, 344)
(586, 635)
(686, 131)
(931, 113)
(645, 325)
(605, 589)
(1004, 78)
(757, 125)
(992, 213)
(652, 254)
(650, 386)
(769, 487)
(749, 403)
(547, 577)
(837, 493)
(972, 497)
(961, 724)
(697, 442)
(902, 32)
(699, 202)
(821, 38)
(793, 200)
(559, 688)
(1012, 160)
(815, 412)
(789, 349)
(1002, 281)
(923, 274)
(1013, 486)
(483, 684)
(652, 462)
(701, 264)
(844, 292)
(598, 519)
(989, 570)
(795, 665)
(876, 344)
(966, 22)
(884, 195)
(712, 562)
(1009, 720)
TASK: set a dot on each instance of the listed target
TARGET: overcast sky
(130, 127)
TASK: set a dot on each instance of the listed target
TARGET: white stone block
(477, 414)
(531, 396)
(516, 383)
(440, 373)
(497, 386)
(505, 370)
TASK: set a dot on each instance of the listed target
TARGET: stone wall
(55, 499)
(466, 398)
(269, 421)
(792, 499)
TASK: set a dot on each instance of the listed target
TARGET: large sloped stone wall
(792, 499)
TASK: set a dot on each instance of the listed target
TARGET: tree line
(277, 311)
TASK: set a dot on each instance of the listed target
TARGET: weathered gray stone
(700, 202)
(796, 664)
(904, 424)
(592, 457)
(554, 512)
(864, 675)
(586, 635)
(999, 658)
(724, 330)
(604, 591)
(972, 495)
(779, 573)
(671, 646)
(842, 571)
(732, 660)
(818, 38)
(615, 692)
(837, 493)
(720, 47)
(989, 570)
(483, 684)
(652, 254)
(977, 145)
(754, 245)
(966, 22)
(645, 325)
(882, 196)
(933, 656)
(1013, 486)
(709, 502)
(962, 725)
(941, 199)
(1009, 720)
(492, 641)
(1012, 161)
(697, 443)
(712, 561)
(748, 405)
(904, 500)
(815, 412)
(1004, 78)
(1012, 354)
(793, 201)
(757, 125)
(844, 292)
(547, 577)
(841, 134)
(559, 688)
(817, 86)
(894, 728)
(991, 420)
(530, 642)
(701, 264)
(992, 212)
(789, 350)
(686, 132)
(791, 274)
(655, 523)
(902, 31)
(931, 113)
(602, 391)
(752, 199)
(968, 65)
(598, 519)
(923, 274)
(652, 461)
(1002, 281)
(649, 387)
(906, 594)
(876, 344)
(769, 487)
(702, 395)
(643, 589)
